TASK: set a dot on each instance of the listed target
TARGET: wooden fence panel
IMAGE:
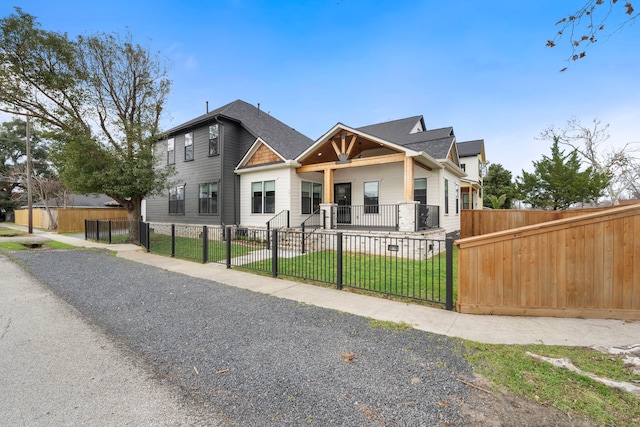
(477, 222)
(581, 266)
(70, 220)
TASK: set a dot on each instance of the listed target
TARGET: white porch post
(407, 216)
(327, 211)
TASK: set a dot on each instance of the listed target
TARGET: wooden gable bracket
(343, 152)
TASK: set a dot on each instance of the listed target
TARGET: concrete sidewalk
(488, 329)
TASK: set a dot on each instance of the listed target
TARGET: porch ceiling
(343, 142)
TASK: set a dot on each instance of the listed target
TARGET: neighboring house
(394, 176)
(205, 152)
(473, 162)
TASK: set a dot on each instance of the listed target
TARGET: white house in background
(395, 176)
(473, 161)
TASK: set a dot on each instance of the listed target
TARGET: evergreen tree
(557, 182)
(497, 183)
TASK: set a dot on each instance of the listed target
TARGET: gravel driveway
(258, 360)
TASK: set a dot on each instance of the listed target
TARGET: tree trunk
(134, 212)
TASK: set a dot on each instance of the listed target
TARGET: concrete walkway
(488, 329)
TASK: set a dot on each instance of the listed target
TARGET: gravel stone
(260, 360)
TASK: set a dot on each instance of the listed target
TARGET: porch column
(327, 211)
(407, 212)
(408, 178)
(328, 186)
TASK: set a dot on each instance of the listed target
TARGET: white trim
(287, 164)
(256, 145)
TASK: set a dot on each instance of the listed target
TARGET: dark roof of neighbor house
(470, 148)
(436, 143)
(288, 142)
(83, 201)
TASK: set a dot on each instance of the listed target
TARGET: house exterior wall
(234, 142)
(450, 221)
(472, 168)
(285, 189)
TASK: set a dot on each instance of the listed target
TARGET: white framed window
(311, 197)
(176, 200)
(371, 197)
(214, 137)
(263, 197)
(446, 196)
(171, 153)
(188, 146)
(208, 198)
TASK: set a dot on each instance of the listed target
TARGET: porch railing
(427, 216)
(367, 216)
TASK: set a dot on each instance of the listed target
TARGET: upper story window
(214, 137)
(463, 166)
(371, 197)
(171, 153)
(188, 146)
(457, 198)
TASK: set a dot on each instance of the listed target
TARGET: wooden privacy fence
(476, 222)
(70, 220)
(585, 266)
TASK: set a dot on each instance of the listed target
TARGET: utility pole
(29, 201)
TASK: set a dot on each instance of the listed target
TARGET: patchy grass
(509, 367)
(23, 246)
(391, 326)
(11, 232)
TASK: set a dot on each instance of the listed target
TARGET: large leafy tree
(99, 97)
(558, 183)
(12, 159)
(619, 163)
(499, 188)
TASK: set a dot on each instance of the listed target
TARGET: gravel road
(257, 360)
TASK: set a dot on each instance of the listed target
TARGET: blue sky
(479, 66)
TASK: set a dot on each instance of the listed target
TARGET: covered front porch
(370, 184)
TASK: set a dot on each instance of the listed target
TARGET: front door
(342, 194)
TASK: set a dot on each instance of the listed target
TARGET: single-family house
(473, 162)
(238, 165)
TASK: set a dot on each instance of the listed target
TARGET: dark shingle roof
(436, 143)
(282, 138)
(470, 148)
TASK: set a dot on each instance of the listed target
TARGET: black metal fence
(408, 267)
(107, 230)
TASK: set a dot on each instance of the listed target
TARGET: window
(263, 197)
(420, 190)
(446, 196)
(457, 198)
(176, 200)
(465, 201)
(371, 197)
(188, 146)
(208, 198)
(171, 154)
(463, 166)
(213, 139)
(311, 197)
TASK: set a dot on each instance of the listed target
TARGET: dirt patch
(503, 408)
(33, 245)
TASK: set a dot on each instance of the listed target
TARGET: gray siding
(235, 141)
